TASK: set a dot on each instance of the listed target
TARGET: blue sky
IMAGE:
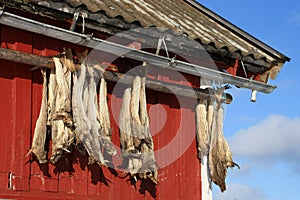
(265, 136)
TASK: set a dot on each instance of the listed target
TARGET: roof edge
(241, 33)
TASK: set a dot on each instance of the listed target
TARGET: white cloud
(241, 192)
(275, 139)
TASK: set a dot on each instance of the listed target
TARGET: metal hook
(2, 8)
(75, 18)
(161, 41)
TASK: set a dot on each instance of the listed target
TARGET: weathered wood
(25, 58)
(47, 62)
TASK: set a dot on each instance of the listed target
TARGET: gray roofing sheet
(186, 17)
(181, 16)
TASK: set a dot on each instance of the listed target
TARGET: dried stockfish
(220, 157)
(149, 168)
(67, 60)
(73, 110)
(82, 123)
(126, 137)
(92, 111)
(39, 138)
(135, 162)
(104, 119)
(136, 140)
(62, 122)
(210, 115)
(52, 89)
(125, 124)
(203, 137)
(134, 112)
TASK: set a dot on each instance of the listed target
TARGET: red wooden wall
(72, 178)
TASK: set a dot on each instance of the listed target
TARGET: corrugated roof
(187, 17)
(181, 16)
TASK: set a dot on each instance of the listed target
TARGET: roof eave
(249, 38)
(109, 47)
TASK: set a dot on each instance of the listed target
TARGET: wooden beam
(25, 58)
(47, 62)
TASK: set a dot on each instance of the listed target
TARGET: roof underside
(179, 16)
(183, 17)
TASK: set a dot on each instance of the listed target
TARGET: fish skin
(40, 131)
(82, 124)
(92, 112)
(61, 118)
(52, 89)
(124, 123)
(203, 137)
(104, 119)
(220, 157)
(149, 165)
(136, 140)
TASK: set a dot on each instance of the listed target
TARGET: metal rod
(117, 49)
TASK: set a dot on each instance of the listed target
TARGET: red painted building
(44, 28)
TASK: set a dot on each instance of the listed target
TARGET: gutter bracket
(86, 38)
(2, 8)
(75, 19)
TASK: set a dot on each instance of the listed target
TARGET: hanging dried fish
(126, 138)
(73, 110)
(136, 125)
(136, 140)
(125, 125)
(135, 161)
(203, 137)
(52, 89)
(67, 60)
(210, 115)
(82, 124)
(62, 122)
(39, 138)
(104, 119)
(149, 168)
(220, 158)
(92, 111)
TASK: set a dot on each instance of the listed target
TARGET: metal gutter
(120, 50)
(266, 48)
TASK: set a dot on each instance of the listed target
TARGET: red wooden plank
(95, 179)
(36, 105)
(46, 46)
(20, 107)
(19, 183)
(45, 184)
(190, 187)
(73, 174)
(73, 186)
(6, 76)
(3, 181)
(50, 184)
(167, 152)
(108, 187)
(45, 177)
